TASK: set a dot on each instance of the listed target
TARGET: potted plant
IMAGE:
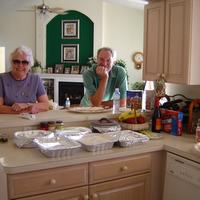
(36, 68)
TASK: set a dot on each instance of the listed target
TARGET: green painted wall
(54, 38)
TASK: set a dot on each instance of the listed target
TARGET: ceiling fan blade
(31, 10)
(57, 10)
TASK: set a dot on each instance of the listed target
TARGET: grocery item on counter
(172, 122)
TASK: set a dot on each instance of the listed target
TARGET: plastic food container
(57, 146)
(96, 142)
(105, 125)
(25, 138)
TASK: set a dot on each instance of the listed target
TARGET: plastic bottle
(116, 101)
(197, 138)
(67, 103)
(156, 118)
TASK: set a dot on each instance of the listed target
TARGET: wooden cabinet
(134, 182)
(80, 193)
(128, 178)
(171, 41)
(131, 188)
(44, 181)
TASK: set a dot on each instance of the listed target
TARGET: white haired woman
(20, 90)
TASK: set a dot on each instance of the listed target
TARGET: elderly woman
(20, 90)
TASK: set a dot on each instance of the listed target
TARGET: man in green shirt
(101, 80)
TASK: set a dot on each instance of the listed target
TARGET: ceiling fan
(44, 9)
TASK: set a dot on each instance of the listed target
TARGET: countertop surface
(14, 159)
(11, 120)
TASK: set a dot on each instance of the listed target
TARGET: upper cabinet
(171, 41)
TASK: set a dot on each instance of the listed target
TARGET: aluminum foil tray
(24, 139)
(128, 138)
(57, 146)
(74, 133)
(96, 142)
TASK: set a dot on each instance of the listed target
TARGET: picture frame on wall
(74, 69)
(70, 29)
(70, 53)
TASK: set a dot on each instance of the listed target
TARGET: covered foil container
(96, 142)
(24, 139)
(52, 146)
(105, 125)
(129, 138)
(74, 133)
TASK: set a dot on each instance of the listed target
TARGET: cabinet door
(154, 40)
(177, 39)
(71, 194)
(131, 188)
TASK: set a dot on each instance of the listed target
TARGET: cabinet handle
(86, 197)
(52, 181)
(95, 196)
(124, 168)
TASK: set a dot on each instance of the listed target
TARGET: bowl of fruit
(133, 120)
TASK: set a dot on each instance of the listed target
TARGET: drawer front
(31, 183)
(120, 167)
(70, 194)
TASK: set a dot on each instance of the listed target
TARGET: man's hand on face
(102, 72)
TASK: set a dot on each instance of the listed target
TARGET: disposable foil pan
(74, 133)
(57, 146)
(24, 139)
(129, 138)
(96, 142)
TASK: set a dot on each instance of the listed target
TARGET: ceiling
(130, 3)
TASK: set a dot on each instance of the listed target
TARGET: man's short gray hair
(113, 52)
(25, 50)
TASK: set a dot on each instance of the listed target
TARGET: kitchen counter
(15, 160)
(10, 123)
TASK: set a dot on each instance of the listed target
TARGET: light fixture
(2, 59)
(140, 1)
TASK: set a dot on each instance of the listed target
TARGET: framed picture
(84, 68)
(69, 53)
(59, 69)
(75, 69)
(70, 29)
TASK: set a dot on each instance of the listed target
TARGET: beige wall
(18, 28)
(117, 26)
(123, 30)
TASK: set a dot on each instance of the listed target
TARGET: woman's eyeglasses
(18, 62)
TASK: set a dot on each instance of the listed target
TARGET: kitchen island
(141, 166)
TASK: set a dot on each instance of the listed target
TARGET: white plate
(88, 109)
